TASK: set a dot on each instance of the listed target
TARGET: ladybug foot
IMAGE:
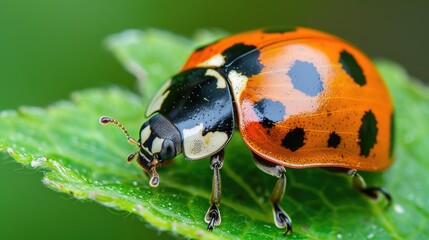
(212, 217)
(281, 219)
(375, 192)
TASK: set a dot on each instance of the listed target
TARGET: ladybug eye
(167, 151)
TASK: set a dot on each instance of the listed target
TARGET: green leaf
(153, 56)
(84, 159)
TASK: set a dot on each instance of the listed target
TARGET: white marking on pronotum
(158, 99)
(157, 145)
(145, 134)
(197, 146)
(221, 83)
(238, 82)
(215, 61)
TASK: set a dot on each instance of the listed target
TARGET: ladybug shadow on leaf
(320, 194)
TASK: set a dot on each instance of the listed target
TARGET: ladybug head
(159, 141)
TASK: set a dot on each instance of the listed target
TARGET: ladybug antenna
(107, 120)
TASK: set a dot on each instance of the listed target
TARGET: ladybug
(300, 98)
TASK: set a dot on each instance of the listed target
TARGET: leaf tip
(128, 37)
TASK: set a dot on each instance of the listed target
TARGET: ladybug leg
(372, 192)
(281, 218)
(213, 214)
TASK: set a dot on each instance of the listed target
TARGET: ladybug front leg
(213, 214)
(281, 218)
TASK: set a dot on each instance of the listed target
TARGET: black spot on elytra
(352, 68)
(279, 29)
(269, 112)
(334, 140)
(243, 58)
(294, 139)
(367, 133)
(305, 78)
(392, 134)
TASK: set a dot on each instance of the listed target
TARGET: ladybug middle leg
(281, 218)
(213, 214)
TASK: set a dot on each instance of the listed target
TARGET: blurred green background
(50, 48)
